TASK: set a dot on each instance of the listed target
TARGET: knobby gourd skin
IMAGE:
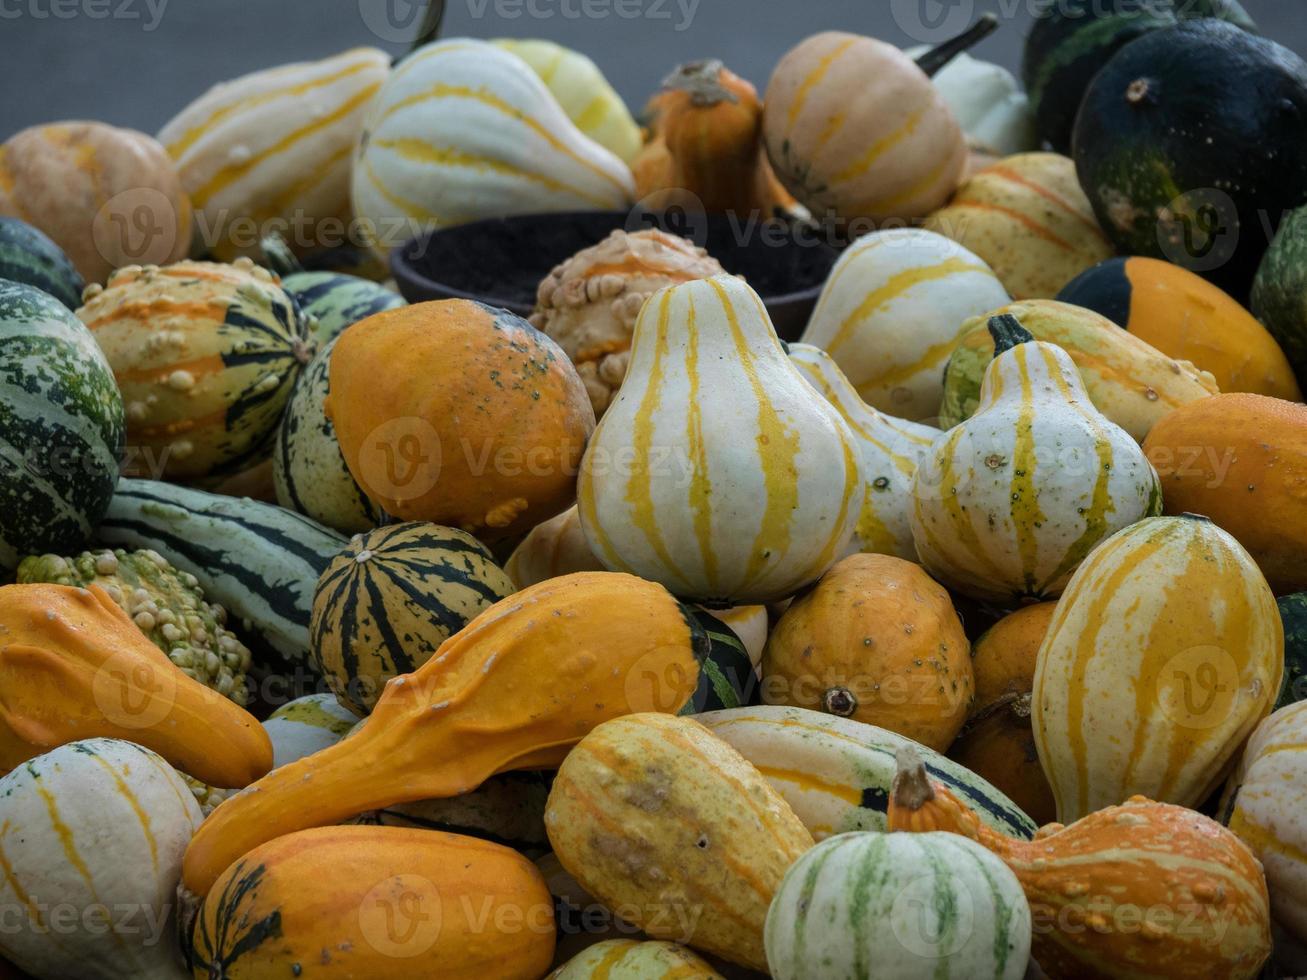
(74, 666)
(1165, 652)
(1138, 891)
(1241, 460)
(515, 689)
(381, 903)
(718, 470)
(657, 817)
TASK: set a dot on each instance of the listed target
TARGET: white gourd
(987, 102)
(718, 471)
(91, 842)
(307, 725)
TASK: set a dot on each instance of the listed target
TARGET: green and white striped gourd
(1010, 502)
(464, 130)
(28, 255)
(718, 471)
(892, 310)
(836, 773)
(97, 827)
(930, 906)
(307, 725)
(61, 427)
(385, 604)
(891, 450)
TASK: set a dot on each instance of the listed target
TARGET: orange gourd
(74, 666)
(375, 902)
(514, 689)
(1140, 890)
(705, 145)
(876, 640)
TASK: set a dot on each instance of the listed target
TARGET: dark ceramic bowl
(501, 261)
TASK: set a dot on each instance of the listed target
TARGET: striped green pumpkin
(899, 905)
(727, 677)
(331, 301)
(386, 603)
(1279, 297)
(61, 427)
(1293, 614)
(28, 255)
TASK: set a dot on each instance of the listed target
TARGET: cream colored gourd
(892, 311)
(988, 103)
(1011, 501)
(556, 547)
(274, 145)
(891, 450)
(96, 828)
(718, 471)
(463, 130)
(1267, 806)
(307, 725)
(630, 959)
(1165, 651)
(583, 92)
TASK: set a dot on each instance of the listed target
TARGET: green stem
(936, 58)
(431, 21)
(1007, 332)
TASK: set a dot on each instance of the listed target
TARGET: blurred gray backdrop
(137, 62)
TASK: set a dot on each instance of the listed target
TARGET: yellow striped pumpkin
(891, 450)
(465, 130)
(718, 471)
(206, 355)
(892, 311)
(1163, 654)
(630, 959)
(274, 146)
(96, 828)
(1010, 502)
(1267, 804)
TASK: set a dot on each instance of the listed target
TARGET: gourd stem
(278, 257)
(431, 21)
(911, 788)
(936, 58)
(702, 81)
(1008, 332)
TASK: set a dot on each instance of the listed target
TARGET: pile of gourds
(963, 638)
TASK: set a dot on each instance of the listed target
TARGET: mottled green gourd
(1293, 613)
(167, 605)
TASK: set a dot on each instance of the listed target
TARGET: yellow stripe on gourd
(813, 78)
(700, 483)
(813, 783)
(908, 194)
(406, 206)
(878, 149)
(126, 792)
(1026, 513)
(11, 879)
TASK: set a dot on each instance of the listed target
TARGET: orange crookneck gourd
(73, 666)
(515, 689)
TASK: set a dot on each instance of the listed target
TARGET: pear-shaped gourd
(462, 130)
(718, 471)
(891, 451)
(1010, 502)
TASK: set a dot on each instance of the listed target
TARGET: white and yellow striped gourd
(464, 130)
(274, 145)
(91, 842)
(892, 310)
(718, 471)
(1011, 501)
(583, 92)
(1165, 651)
(307, 725)
(1267, 804)
(630, 959)
(891, 451)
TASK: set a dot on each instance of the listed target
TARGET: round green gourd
(29, 256)
(1293, 613)
(61, 427)
(386, 603)
(1280, 291)
(335, 301)
(727, 677)
(930, 905)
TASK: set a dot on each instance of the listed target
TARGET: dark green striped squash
(1293, 613)
(29, 256)
(1280, 291)
(385, 604)
(61, 427)
(727, 677)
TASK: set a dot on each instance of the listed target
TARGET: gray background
(137, 62)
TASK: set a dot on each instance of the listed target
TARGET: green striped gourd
(744, 484)
(1165, 651)
(386, 603)
(1293, 614)
(630, 959)
(274, 146)
(259, 561)
(1267, 806)
(1279, 297)
(28, 255)
(206, 356)
(891, 450)
(582, 91)
(1011, 501)
(307, 725)
(892, 310)
(932, 905)
(464, 130)
(308, 468)
(61, 427)
(836, 773)
(97, 826)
